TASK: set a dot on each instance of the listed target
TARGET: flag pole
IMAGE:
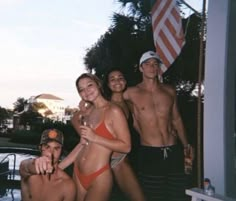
(200, 147)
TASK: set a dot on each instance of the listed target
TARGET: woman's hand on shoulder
(76, 117)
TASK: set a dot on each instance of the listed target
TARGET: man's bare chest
(152, 103)
(45, 192)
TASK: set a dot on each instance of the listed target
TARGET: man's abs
(156, 138)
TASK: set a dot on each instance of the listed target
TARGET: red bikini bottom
(86, 180)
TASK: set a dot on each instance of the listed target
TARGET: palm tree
(130, 35)
(20, 104)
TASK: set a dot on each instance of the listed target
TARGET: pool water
(10, 183)
(10, 195)
(18, 158)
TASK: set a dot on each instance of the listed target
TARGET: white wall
(219, 104)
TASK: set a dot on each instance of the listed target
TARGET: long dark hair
(107, 90)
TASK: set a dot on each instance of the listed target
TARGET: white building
(55, 107)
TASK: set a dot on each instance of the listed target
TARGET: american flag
(167, 31)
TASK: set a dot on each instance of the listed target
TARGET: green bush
(26, 137)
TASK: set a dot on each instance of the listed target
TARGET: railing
(197, 194)
(8, 171)
(11, 174)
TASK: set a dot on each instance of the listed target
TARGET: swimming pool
(10, 181)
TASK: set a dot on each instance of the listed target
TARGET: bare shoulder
(67, 180)
(63, 175)
(169, 89)
(131, 92)
(114, 109)
(133, 88)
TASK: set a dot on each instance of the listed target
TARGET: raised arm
(75, 121)
(27, 168)
(70, 158)
(40, 165)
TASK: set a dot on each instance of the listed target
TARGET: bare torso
(87, 161)
(152, 110)
(41, 188)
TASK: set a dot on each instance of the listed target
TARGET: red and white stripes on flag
(167, 31)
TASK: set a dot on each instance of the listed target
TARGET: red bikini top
(102, 131)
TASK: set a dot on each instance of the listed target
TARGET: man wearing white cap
(157, 119)
(41, 179)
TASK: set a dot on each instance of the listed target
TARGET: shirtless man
(41, 179)
(154, 108)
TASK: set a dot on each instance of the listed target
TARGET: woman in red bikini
(106, 131)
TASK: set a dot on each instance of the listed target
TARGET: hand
(76, 117)
(189, 152)
(83, 141)
(188, 159)
(87, 133)
(83, 106)
(44, 164)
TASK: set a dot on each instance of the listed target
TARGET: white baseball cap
(148, 55)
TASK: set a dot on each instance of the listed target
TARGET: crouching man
(41, 179)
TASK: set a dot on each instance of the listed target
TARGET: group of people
(105, 122)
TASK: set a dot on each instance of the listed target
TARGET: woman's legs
(80, 191)
(127, 181)
(101, 187)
